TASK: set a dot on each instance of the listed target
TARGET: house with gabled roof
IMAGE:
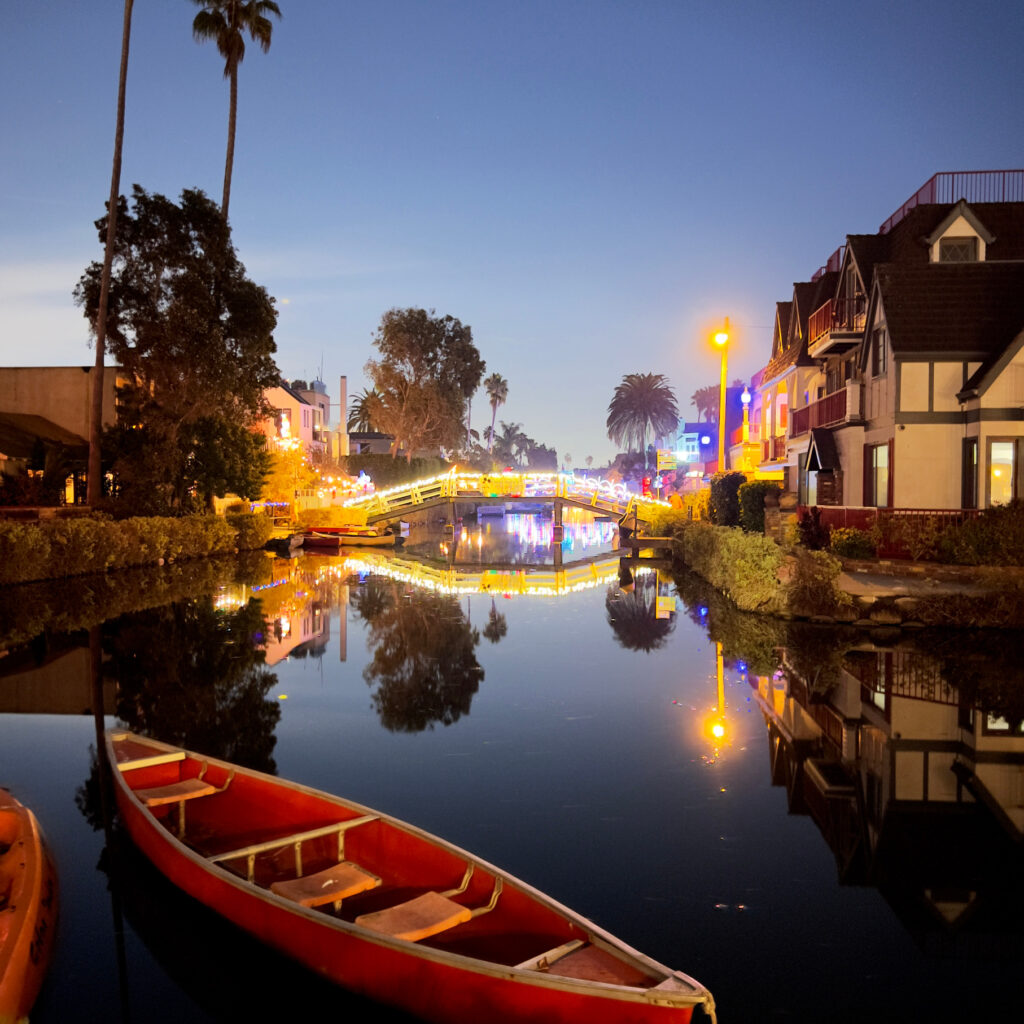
(917, 400)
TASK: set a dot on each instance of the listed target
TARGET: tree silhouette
(497, 391)
(642, 402)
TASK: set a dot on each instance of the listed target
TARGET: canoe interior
(254, 810)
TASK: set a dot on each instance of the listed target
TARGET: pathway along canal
(826, 859)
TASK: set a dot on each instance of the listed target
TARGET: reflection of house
(914, 790)
(897, 373)
(57, 683)
(293, 630)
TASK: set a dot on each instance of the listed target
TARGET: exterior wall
(949, 378)
(61, 394)
(299, 415)
(915, 391)
(1007, 391)
(926, 465)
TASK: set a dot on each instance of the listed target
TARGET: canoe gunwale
(673, 988)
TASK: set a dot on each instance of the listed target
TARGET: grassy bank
(752, 570)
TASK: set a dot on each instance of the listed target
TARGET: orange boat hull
(28, 909)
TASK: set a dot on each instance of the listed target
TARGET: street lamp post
(722, 341)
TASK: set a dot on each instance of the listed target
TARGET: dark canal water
(848, 849)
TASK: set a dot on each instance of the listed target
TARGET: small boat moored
(330, 538)
(28, 909)
(379, 906)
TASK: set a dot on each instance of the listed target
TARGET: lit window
(1002, 471)
(877, 475)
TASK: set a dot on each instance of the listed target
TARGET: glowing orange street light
(721, 339)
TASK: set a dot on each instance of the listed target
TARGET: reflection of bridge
(601, 497)
(537, 580)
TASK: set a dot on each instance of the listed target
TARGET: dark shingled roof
(966, 310)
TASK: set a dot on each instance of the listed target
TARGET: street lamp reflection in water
(715, 724)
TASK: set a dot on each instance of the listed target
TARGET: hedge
(59, 548)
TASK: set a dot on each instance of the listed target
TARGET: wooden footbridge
(456, 487)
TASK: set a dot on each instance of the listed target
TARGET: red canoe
(380, 906)
(28, 909)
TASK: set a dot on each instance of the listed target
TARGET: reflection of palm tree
(642, 401)
(497, 624)
(226, 22)
(633, 618)
(497, 391)
(364, 415)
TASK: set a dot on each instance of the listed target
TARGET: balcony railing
(844, 315)
(773, 448)
(823, 413)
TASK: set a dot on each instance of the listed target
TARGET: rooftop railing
(974, 186)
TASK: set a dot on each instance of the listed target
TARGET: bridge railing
(601, 494)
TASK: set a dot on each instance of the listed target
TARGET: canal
(819, 825)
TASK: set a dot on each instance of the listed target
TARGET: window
(877, 475)
(879, 351)
(1002, 471)
(958, 250)
(969, 480)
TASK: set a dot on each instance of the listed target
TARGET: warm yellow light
(721, 338)
(718, 730)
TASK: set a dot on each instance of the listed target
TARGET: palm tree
(511, 443)
(365, 409)
(94, 482)
(706, 401)
(642, 401)
(497, 391)
(225, 22)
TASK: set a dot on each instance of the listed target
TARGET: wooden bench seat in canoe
(427, 914)
(178, 793)
(332, 885)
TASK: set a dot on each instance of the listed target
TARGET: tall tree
(642, 402)
(94, 484)
(497, 391)
(511, 444)
(226, 22)
(706, 400)
(428, 367)
(192, 333)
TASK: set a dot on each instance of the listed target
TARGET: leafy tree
(497, 391)
(226, 22)
(192, 333)
(724, 509)
(95, 470)
(364, 412)
(428, 369)
(642, 402)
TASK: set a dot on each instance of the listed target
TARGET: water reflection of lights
(540, 581)
(716, 727)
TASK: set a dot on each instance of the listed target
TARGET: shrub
(849, 542)
(252, 531)
(813, 533)
(751, 497)
(996, 537)
(724, 505)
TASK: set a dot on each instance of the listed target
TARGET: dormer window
(958, 250)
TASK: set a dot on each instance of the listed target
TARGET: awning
(822, 454)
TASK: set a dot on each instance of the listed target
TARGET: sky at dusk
(592, 185)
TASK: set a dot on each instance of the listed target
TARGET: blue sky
(590, 184)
